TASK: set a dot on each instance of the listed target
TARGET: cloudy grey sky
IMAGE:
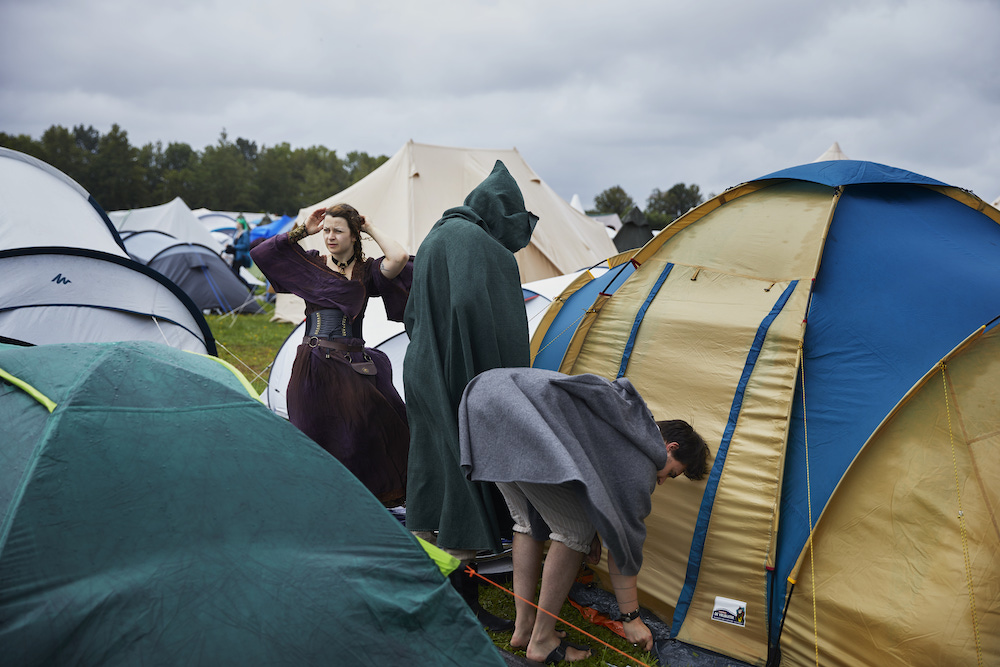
(638, 93)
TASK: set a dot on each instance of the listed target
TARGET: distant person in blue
(240, 247)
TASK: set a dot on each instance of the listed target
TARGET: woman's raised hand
(315, 220)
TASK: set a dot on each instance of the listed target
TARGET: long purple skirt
(359, 419)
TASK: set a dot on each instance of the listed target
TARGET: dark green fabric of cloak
(465, 315)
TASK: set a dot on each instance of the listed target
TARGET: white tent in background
(66, 275)
(173, 218)
(405, 197)
(832, 153)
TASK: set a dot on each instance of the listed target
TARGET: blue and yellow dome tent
(786, 317)
(153, 511)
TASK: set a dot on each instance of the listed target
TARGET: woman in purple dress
(340, 393)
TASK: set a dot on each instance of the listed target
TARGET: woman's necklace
(343, 265)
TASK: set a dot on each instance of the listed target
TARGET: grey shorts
(559, 507)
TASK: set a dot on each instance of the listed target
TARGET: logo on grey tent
(60, 280)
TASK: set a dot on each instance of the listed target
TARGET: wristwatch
(631, 616)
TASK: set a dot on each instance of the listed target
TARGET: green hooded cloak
(465, 315)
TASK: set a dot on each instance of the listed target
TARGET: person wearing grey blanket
(576, 458)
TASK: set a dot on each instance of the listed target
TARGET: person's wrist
(630, 616)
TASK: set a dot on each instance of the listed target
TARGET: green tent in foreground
(154, 512)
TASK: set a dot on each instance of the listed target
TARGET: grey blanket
(535, 425)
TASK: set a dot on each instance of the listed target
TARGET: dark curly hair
(353, 218)
(692, 450)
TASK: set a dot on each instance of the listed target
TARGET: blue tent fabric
(282, 224)
(850, 172)
(898, 257)
(559, 333)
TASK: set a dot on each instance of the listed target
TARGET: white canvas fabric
(405, 197)
(832, 153)
(174, 218)
(33, 195)
(67, 277)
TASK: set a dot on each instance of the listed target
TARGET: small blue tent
(282, 224)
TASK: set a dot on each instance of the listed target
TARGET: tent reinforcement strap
(47, 402)
(809, 504)
(961, 520)
(627, 353)
(712, 485)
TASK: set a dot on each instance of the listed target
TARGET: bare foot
(556, 648)
(520, 641)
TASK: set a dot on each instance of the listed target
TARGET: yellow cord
(961, 519)
(812, 559)
(557, 336)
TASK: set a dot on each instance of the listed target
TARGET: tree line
(239, 176)
(226, 176)
(662, 207)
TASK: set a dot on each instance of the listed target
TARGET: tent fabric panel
(582, 334)
(850, 172)
(207, 280)
(540, 324)
(556, 338)
(892, 530)
(775, 233)
(534, 264)
(701, 330)
(174, 218)
(21, 436)
(41, 291)
(739, 511)
(883, 311)
(407, 194)
(145, 245)
(690, 218)
(630, 344)
(240, 543)
(239, 377)
(31, 191)
(55, 323)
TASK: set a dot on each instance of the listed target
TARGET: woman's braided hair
(353, 218)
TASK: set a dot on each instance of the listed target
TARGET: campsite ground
(250, 343)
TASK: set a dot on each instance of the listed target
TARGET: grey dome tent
(199, 271)
(67, 276)
(154, 512)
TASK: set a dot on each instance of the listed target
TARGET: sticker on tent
(729, 611)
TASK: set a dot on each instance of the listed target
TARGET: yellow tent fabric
(406, 195)
(700, 327)
(794, 311)
(918, 502)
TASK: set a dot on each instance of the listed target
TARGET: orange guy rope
(473, 573)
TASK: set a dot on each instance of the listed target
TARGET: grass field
(250, 343)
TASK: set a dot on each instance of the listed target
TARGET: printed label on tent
(729, 611)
